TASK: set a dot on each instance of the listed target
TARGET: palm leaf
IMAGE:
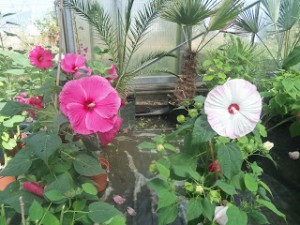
(249, 21)
(188, 12)
(140, 26)
(271, 9)
(289, 14)
(100, 20)
(225, 14)
(154, 55)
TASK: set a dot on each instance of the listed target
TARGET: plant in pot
(207, 170)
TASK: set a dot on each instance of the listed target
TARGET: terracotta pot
(6, 180)
(102, 179)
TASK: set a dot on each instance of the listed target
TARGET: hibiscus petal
(77, 115)
(109, 106)
(96, 123)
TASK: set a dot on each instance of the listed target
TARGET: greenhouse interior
(149, 112)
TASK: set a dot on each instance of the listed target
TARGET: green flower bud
(180, 118)
(198, 105)
(193, 113)
(153, 168)
(189, 186)
(199, 189)
(160, 148)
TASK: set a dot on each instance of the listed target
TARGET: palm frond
(161, 71)
(249, 21)
(188, 12)
(100, 20)
(289, 14)
(271, 9)
(225, 14)
(154, 55)
(141, 24)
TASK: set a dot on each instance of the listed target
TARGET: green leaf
(118, 220)
(12, 108)
(162, 169)
(166, 198)
(265, 186)
(18, 165)
(292, 59)
(251, 182)
(100, 212)
(43, 144)
(295, 129)
(167, 215)
(271, 207)
(15, 119)
(158, 185)
(236, 216)
(258, 217)
(10, 144)
(194, 209)
(170, 147)
(202, 132)
(87, 165)
(89, 188)
(147, 145)
(230, 159)
(54, 195)
(49, 219)
(208, 208)
(184, 165)
(36, 211)
(227, 188)
(16, 72)
(63, 183)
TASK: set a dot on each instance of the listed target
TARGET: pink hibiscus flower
(91, 104)
(108, 136)
(113, 72)
(33, 187)
(233, 109)
(75, 64)
(41, 57)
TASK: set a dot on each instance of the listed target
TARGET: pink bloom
(294, 155)
(36, 102)
(233, 109)
(91, 104)
(108, 136)
(220, 215)
(20, 97)
(75, 64)
(131, 211)
(212, 168)
(33, 187)
(41, 57)
(112, 72)
(119, 199)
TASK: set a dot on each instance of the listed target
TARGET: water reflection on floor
(130, 172)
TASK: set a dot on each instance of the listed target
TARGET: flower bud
(180, 118)
(160, 148)
(188, 186)
(153, 168)
(193, 113)
(268, 145)
(199, 189)
(198, 105)
(294, 155)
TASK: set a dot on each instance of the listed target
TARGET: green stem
(62, 214)
(212, 155)
(282, 122)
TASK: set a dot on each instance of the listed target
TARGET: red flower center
(40, 58)
(233, 108)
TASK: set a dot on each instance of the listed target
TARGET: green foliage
(186, 176)
(235, 59)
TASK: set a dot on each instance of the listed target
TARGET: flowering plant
(69, 117)
(206, 163)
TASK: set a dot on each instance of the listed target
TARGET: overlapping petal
(75, 64)
(91, 104)
(234, 92)
(108, 136)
